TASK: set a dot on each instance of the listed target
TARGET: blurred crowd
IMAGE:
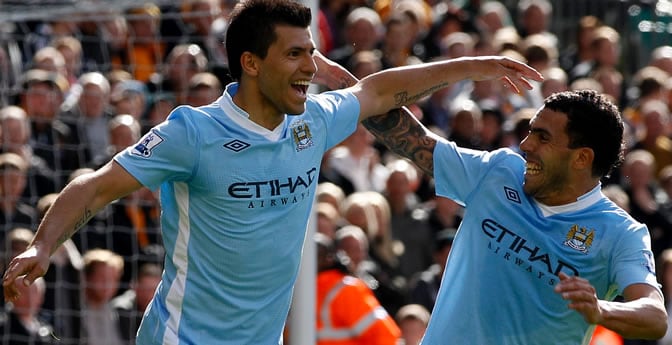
(77, 89)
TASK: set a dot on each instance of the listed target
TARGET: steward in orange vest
(348, 313)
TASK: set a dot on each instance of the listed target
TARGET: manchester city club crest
(301, 133)
(579, 238)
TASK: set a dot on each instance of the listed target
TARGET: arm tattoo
(345, 82)
(86, 216)
(405, 136)
(402, 98)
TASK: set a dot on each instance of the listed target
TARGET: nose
(310, 66)
(525, 144)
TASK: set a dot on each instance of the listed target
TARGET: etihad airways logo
(526, 255)
(276, 192)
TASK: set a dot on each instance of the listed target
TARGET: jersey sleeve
(458, 171)
(632, 259)
(168, 152)
(340, 111)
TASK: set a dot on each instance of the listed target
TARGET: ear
(583, 158)
(249, 64)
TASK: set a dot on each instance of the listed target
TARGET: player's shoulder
(188, 112)
(330, 99)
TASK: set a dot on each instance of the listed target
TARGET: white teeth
(302, 82)
(531, 168)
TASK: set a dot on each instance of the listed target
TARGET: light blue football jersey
(499, 279)
(235, 206)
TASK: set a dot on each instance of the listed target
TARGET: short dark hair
(593, 122)
(252, 27)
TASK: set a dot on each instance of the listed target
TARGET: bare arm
(399, 130)
(396, 87)
(402, 133)
(641, 316)
(73, 208)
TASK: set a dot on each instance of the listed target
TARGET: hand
(331, 74)
(581, 295)
(514, 74)
(33, 263)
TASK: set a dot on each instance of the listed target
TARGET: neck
(569, 195)
(258, 109)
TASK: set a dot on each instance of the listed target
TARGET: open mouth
(532, 169)
(301, 86)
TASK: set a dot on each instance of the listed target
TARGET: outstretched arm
(399, 130)
(396, 87)
(75, 206)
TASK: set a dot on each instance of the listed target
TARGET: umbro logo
(512, 195)
(236, 145)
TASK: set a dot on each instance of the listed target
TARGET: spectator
(492, 126)
(555, 80)
(412, 320)
(370, 212)
(535, 18)
(492, 16)
(130, 97)
(646, 196)
(424, 287)
(605, 46)
(444, 213)
(15, 212)
(159, 108)
(71, 50)
(611, 81)
(199, 17)
(346, 309)
(648, 83)
(104, 39)
(408, 222)
(50, 59)
(363, 31)
(90, 115)
(145, 48)
(330, 193)
(20, 320)
(578, 50)
(364, 62)
(182, 63)
(661, 57)
(131, 305)
(15, 134)
(102, 272)
(466, 123)
(357, 160)
(15, 241)
(665, 279)
(204, 88)
(63, 296)
(353, 243)
(51, 139)
(397, 42)
(665, 179)
(654, 135)
(328, 219)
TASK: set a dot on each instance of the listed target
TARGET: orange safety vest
(605, 336)
(348, 313)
